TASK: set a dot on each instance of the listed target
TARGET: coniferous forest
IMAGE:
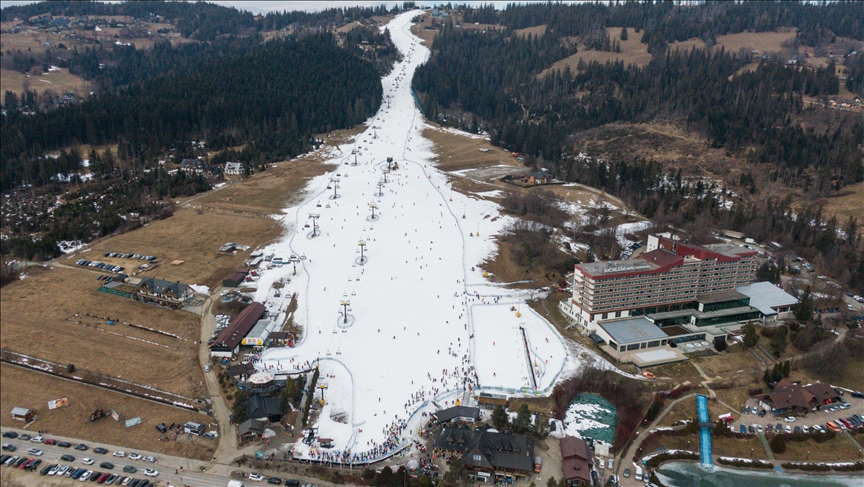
(491, 81)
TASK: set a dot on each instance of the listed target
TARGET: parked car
(150, 472)
(81, 447)
(111, 478)
(858, 394)
(256, 477)
(100, 450)
(762, 413)
(46, 469)
(86, 475)
(747, 410)
(274, 481)
(806, 429)
(9, 447)
(797, 430)
(106, 465)
(790, 419)
(788, 429)
(150, 459)
(210, 435)
(50, 441)
(134, 456)
(121, 454)
(743, 429)
(24, 437)
(10, 434)
(751, 429)
(37, 439)
(62, 444)
(626, 473)
(129, 469)
(67, 458)
(35, 451)
(87, 461)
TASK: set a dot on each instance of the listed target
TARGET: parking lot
(842, 410)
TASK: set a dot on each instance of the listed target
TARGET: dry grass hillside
(633, 52)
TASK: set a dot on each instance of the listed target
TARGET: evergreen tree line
(750, 111)
(274, 97)
(199, 20)
(666, 22)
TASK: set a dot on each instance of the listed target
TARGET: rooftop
(617, 266)
(730, 250)
(720, 297)
(764, 296)
(632, 330)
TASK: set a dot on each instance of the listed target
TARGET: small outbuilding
(250, 430)
(457, 414)
(23, 414)
(193, 428)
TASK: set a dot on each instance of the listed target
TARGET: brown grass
(760, 41)
(633, 52)
(536, 31)
(456, 152)
(848, 203)
(59, 82)
(191, 236)
(428, 36)
(685, 409)
(38, 320)
(837, 449)
(31, 389)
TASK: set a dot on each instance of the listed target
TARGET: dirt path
(227, 450)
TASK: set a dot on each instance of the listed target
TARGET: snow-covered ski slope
(423, 323)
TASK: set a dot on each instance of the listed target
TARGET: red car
(847, 423)
(51, 442)
(26, 462)
(102, 478)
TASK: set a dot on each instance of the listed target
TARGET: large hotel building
(672, 293)
(668, 276)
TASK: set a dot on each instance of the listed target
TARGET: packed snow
(424, 325)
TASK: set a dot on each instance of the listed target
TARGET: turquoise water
(608, 415)
(690, 474)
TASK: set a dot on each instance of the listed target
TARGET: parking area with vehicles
(73, 420)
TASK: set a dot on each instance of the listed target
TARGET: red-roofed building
(668, 277)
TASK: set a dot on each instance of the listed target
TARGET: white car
(35, 451)
(805, 429)
(63, 469)
(87, 461)
(256, 477)
(127, 481)
(85, 476)
(150, 459)
(790, 419)
(134, 456)
(150, 472)
(609, 464)
(788, 429)
(54, 470)
(37, 439)
(121, 454)
(206, 368)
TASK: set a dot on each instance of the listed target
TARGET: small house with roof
(193, 166)
(457, 414)
(250, 430)
(172, 294)
(500, 456)
(233, 169)
(576, 461)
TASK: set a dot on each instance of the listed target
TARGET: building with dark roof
(264, 408)
(172, 294)
(235, 279)
(227, 342)
(457, 414)
(501, 455)
(788, 396)
(576, 461)
(250, 430)
(488, 453)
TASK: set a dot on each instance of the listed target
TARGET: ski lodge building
(674, 295)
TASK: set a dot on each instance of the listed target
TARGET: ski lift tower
(374, 217)
(294, 259)
(335, 182)
(380, 192)
(345, 303)
(389, 163)
(362, 260)
(386, 172)
(314, 217)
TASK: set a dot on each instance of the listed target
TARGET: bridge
(704, 431)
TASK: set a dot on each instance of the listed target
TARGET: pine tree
(624, 34)
(778, 444)
(787, 368)
(523, 419)
(500, 420)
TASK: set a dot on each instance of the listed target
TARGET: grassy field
(59, 82)
(192, 236)
(39, 320)
(685, 409)
(633, 52)
(536, 31)
(846, 203)
(31, 389)
(760, 41)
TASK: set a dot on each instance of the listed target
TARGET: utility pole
(314, 217)
(345, 304)
(294, 259)
(362, 245)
